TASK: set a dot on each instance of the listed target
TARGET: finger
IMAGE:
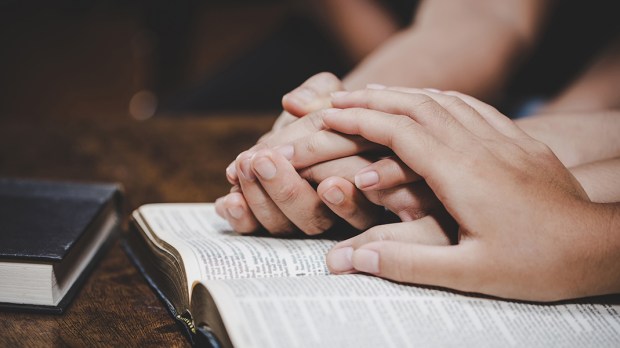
(345, 168)
(409, 202)
(420, 107)
(426, 231)
(219, 207)
(231, 174)
(302, 127)
(262, 206)
(312, 95)
(348, 203)
(422, 152)
(326, 145)
(445, 266)
(384, 174)
(283, 135)
(495, 118)
(282, 121)
(238, 213)
(465, 113)
(275, 137)
(293, 195)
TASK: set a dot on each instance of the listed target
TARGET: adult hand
(280, 200)
(527, 229)
(312, 95)
(284, 202)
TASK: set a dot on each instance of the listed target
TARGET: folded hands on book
(525, 228)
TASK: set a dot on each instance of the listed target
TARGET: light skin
(562, 124)
(393, 190)
(497, 35)
(489, 175)
(274, 203)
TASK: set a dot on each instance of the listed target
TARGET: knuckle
(323, 83)
(306, 89)
(401, 127)
(317, 224)
(286, 193)
(421, 100)
(315, 120)
(456, 104)
(261, 207)
(381, 197)
(312, 145)
(326, 76)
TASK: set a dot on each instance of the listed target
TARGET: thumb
(445, 266)
(313, 95)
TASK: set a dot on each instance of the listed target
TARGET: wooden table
(159, 160)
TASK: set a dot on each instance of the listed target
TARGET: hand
(312, 95)
(267, 203)
(271, 202)
(525, 225)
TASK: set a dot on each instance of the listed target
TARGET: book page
(365, 311)
(212, 250)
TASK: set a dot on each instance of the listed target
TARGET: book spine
(186, 318)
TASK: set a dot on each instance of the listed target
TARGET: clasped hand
(523, 220)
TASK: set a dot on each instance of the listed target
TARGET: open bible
(244, 291)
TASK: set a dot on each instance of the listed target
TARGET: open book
(248, 291)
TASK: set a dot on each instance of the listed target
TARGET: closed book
(51, 234)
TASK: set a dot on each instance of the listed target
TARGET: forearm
(469, 46)
(577, 138)
(358, 26)
(600, 179)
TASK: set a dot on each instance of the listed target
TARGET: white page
(211, 250)
(365, 311)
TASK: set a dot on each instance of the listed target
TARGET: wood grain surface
(159, 160)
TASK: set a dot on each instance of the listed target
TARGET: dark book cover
(43, 221)
(198, 336)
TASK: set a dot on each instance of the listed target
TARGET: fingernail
(285, 150)
(434, 90)
(339, 260)
(339, 94)
(365, 260)
(235, 212)
(334, 195)
(265, 168)
(246, 169)
(231, 171)
(366, 179)
(375, 86)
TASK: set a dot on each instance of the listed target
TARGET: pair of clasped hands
(483, 207)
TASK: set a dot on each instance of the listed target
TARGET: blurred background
(93, 59)
(107, 58)
(112, 58)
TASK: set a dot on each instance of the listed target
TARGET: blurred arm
(470, 46)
